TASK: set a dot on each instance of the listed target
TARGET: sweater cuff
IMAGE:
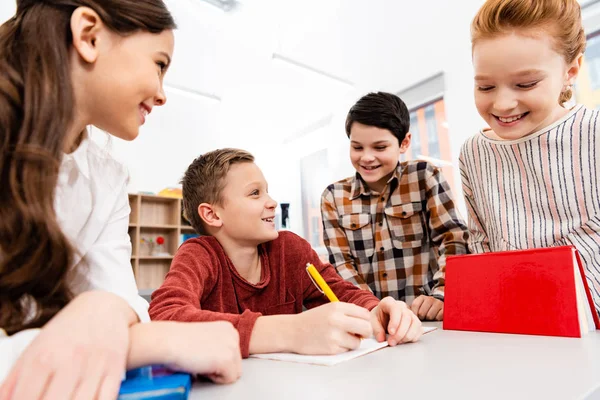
(245, 328)
(371, 304)
(438, 293)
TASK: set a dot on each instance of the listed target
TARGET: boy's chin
(274, 234)
(264, 237)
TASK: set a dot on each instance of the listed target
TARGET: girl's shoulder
(474, 140)
(102, 165)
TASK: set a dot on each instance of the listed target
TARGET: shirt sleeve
(448, 232)
(107, 263)
(11, 348)
(336, 241)
(180, 296)
(478, 237)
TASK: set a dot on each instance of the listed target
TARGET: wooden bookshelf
(153, 216)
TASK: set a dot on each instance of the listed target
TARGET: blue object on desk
(155, 383)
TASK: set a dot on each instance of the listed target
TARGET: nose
(271, 204)
(505, 100)
(367, 157)
(161, 98)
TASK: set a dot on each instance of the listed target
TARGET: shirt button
(384, 275)
(381, 224)
(404, 213)
(381, 248)
(353, 225)
(382, 197)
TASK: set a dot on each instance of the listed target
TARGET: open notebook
(366, 346)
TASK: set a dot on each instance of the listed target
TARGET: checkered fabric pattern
(394, 243)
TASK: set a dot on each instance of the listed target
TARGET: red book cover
(529, 292)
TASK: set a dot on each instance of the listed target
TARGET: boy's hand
(428, 308)
(397, 319)
(331, 329)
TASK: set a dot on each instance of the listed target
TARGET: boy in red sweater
(247, 273)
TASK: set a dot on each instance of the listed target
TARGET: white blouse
(92, 207)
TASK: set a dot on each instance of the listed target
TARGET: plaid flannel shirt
(394, 243)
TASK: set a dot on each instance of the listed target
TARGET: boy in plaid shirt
(389, 228)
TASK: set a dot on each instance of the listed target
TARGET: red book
(533, 292)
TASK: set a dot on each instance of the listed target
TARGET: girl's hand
(211, 349)
(80, 354)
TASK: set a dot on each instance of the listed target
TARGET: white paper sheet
(366, 346)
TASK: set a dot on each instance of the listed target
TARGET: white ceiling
(279, 67)
(262, 75)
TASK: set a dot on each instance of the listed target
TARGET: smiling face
(128, 81)
(518, 81)
(375, 153)
(117, 78)
(247, 212)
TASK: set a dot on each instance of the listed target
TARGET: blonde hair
(559, 18)
(204, 181)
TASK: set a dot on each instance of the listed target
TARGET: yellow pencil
(320, 283)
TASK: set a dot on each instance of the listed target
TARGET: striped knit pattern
(538, 191)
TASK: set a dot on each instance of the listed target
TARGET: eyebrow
(520, 74)
(253, 183)
(377, 142)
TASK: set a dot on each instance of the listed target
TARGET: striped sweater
(538, 191)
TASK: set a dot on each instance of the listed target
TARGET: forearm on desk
(149, 343)
(273, 334)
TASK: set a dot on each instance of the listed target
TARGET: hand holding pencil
(390, 316)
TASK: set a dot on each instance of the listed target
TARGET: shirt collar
(359, 187)
(80, 157)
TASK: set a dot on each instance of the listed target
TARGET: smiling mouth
(370, 168)
(270, 219)
(508, 120)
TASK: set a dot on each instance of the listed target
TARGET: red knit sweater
(203, 285)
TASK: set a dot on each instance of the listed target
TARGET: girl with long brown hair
(68, 301)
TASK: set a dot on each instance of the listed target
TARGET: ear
(405, 143)
(86, 26)
(573, 69)
(209, 215)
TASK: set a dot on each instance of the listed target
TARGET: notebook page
(366, 346)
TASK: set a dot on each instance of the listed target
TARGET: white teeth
(268, 219)
(370, 168)
(510, 119)
(145, 112)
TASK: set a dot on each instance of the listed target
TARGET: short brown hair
(204, 181)
(559, 18)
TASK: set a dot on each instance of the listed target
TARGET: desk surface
(443, 364)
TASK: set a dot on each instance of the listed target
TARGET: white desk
(443, 365)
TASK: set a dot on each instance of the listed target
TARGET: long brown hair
(36, 109)
(559, 18)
